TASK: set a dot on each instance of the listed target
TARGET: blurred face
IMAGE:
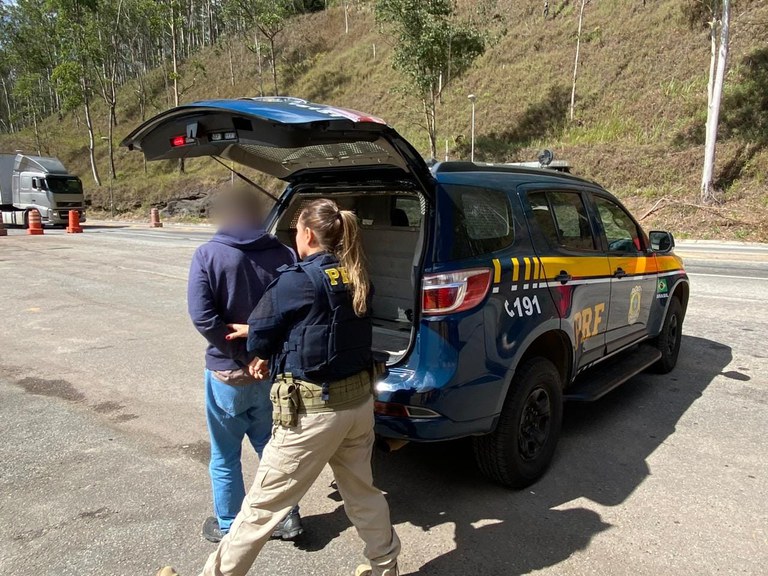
(306, 243)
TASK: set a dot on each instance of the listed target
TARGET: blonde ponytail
(351, 256)
(338, 232)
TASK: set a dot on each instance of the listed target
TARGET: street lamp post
(473, 99)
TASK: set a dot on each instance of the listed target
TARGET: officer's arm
(286, 301)
(202, 310)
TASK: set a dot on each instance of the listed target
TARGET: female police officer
(314, 325)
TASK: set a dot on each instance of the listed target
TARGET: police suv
(501, 291)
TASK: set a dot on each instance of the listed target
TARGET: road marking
(727, 276)
(730, 298)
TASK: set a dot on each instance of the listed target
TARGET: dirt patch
(199, 451)
(125, 417)
(52, 388)
(107, 407)
(96, 514)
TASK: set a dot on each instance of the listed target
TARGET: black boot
(290, 527)
(211, 530)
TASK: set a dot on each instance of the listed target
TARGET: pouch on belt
(284, 395)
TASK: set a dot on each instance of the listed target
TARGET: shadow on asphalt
(601, 457)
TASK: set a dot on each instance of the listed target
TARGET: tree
(26, 91)
(106, 57)
(74, 74)
(269, 17)
(717, 70)
(432, 48)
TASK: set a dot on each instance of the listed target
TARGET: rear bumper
(431, 429)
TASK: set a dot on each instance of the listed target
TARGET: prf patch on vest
(337, 277)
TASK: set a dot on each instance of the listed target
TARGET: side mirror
(661, 241)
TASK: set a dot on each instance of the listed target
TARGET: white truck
(28, 182)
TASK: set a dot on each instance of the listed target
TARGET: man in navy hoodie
(227, 278)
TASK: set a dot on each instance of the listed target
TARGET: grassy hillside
(641, 106)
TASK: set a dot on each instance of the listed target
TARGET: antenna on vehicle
(245, 178)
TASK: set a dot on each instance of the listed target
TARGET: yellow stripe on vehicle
(515, 270)
(576, 266)
(496, 271)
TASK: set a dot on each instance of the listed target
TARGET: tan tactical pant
(292, 461)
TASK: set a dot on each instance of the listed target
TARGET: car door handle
(563, 277)
(619, 273)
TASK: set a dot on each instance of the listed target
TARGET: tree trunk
(174, 58)
(91, 142)
(430, 116)
(231, 64)
(712, 59)
(8, 105)
(175, 62)
(37, 132)
(713, 114)
(274, 63)
(261, 69)
(576, 61)
(110, 131)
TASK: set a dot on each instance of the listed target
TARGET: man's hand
(259, 368)
(238, 331)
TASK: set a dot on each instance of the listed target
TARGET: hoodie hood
(248, 239)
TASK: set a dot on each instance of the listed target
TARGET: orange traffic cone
(154, 218)
(35, 227)
(74, 223)
(3, 231)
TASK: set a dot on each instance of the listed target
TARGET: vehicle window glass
(406, 211)
(480, 221)
(26, 181)
(563, 218)
(64, 185)
(620, 230)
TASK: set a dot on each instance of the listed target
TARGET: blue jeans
(234, 412)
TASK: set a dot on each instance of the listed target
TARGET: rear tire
(520, 450)
(668, 342)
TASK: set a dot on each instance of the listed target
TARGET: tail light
(454, 291)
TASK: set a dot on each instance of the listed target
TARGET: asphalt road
(103, 446)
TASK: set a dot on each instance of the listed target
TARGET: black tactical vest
(332, 342)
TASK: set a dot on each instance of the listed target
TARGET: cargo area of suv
(391, 224)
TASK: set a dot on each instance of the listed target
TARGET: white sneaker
(366, 570)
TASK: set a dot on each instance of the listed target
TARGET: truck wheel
(25, 223)
(668, 342)
(519, 451)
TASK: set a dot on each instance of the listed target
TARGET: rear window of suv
(474, 221)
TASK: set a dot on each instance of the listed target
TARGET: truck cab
(44, 184)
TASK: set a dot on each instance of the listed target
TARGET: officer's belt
(291, 396)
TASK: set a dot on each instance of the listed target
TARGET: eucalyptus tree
(73, 75)
(433, 47)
